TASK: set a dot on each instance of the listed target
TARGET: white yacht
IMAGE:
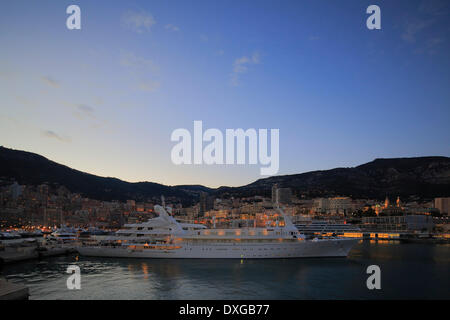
(164, 237)
(9, 235)
(64, 235)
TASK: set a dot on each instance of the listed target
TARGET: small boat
(64, 235)
(8, 235)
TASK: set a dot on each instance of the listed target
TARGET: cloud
(240, 66)
(142, 70)
(50, 81)
(138, 22)
(52, 135)
(435, 41)
(129, 59)
(85, 108)
(430, 46)
(416, 25)
(434, 7)
(81, 111)
(87, 114)
(149, 86)
(84, 111)
(171, 27)
(413, 27)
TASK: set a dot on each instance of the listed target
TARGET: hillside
(32, 169)
(420, 177)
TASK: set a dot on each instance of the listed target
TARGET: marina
(165, 237)
(163, 258)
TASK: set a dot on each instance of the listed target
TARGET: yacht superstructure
(64, 235)
(313, 228)
(164, 237)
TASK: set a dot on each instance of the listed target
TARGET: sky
(105, 99)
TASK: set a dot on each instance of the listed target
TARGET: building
(16, 190)
(398, 223)
(206, 203)
(281, 195)
(131, 205)
(274, 193)
(442, 204)
(391, 210)
(336, 205)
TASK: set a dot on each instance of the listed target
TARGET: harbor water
(408, 271)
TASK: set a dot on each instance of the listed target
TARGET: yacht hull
(300, 249)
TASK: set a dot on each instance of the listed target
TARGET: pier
(12, 251)
(13, 291)
(16, 254)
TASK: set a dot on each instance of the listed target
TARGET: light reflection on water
(408, 271)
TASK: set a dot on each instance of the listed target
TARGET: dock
(20, 254)
(13, 291)
(53, 251)
(13, 251)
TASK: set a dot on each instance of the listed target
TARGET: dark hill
(32, 169)
(421, 177)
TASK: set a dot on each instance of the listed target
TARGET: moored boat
(164, 237)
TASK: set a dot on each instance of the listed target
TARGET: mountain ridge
(422, 177)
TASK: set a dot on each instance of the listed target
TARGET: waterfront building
(336, 205)
(304, 207)
(391, 210)
(404, 223)
(442, 204)
(131, 205)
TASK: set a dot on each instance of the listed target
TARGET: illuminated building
(442, 204)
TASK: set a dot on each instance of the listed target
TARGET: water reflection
(426, 265)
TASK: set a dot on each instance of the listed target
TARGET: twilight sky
(105, 99)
